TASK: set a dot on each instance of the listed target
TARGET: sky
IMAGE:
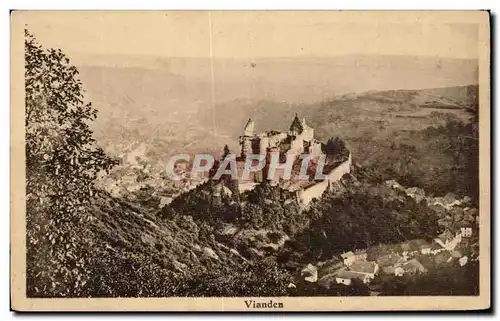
(223, 34)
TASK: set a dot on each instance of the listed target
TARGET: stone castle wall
(316, 191)
(339, 171)
(312, 192)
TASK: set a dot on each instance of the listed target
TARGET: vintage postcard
(250, 160)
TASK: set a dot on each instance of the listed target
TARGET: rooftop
(350, 275)
(363, 267)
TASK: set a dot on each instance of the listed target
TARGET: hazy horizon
(253, 34)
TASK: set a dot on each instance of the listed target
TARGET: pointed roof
(250, 124)
(297, 124)
(249, 127)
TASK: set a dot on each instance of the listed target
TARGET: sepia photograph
(250, 160)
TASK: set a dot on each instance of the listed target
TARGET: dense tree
(359, 220)
(461, 143)
(62, 163)
(335, 147)
(438, 159)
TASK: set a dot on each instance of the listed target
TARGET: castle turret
(249, 127)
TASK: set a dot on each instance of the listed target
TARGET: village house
(463, 260)
(346, 277)
(310, 273)
(466, 231)
(413, 266)
(348, 258)
(368, 268)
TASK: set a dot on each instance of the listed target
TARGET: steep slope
(138, 254)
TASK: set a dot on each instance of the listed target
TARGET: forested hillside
(97, 225)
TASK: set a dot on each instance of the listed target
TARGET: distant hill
(167, 102)
(374, 115)
(293, 80)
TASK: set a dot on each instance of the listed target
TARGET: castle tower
(296, 127)
(246, 139)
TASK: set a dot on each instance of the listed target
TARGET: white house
(346, 277)
(399, 271)
(343, 280)
(466, 231)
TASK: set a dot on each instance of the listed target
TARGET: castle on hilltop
(298, 140)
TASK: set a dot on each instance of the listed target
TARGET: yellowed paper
(394, 104)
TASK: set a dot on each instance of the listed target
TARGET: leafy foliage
(265, 207)
(359, 220)
(62, 163)
(336, 146)
(273, 208)
(260, 278)
(461, 143)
